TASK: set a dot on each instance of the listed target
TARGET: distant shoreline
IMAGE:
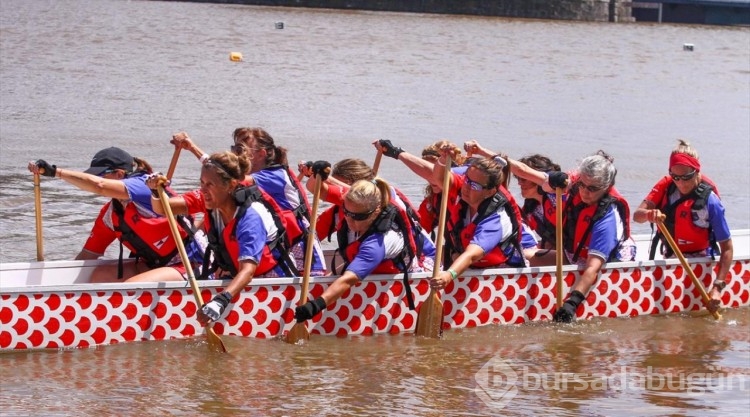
(712, 12)
(585, 10)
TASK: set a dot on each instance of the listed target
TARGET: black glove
(567, 312)
(558, 179)
(309, 310)
(389, 149)
(215, 308)
(46, 169)
(322, 168)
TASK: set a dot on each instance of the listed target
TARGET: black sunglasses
(591, 188)
(357, 216)
(686, 177)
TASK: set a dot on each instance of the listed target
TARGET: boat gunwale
(265, 282)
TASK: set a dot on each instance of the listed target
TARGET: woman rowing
(373, 239)
(244, 232)
(483, 228)
(428, 209)
(128, 217)
(693, 214)
(270, 172)
(345, 173)
(596, 227)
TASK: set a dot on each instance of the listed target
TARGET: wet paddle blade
(298, 332)
(704, 312)
(430, 318)
(214, 341)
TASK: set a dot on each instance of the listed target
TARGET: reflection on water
(674, 364)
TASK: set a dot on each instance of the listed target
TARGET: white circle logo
(496, 383)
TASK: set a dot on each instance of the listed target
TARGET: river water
(78, 76)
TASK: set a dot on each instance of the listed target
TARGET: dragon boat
(51, 304)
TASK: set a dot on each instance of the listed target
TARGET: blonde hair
(684, 147)
(371, 194)
(351, 170)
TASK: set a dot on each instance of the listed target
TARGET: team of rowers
(251, 215)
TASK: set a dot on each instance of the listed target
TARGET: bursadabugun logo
(496, 383)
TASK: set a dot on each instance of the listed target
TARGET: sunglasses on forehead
(357, 216)
(687, 177)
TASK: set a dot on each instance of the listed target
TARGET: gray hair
(600, 168)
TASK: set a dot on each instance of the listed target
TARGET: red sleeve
(426, 214)
(194, 202)
(659, 191)
(101, 235)
(335, 194)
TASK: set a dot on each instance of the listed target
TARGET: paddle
(38, 210)
(559, 246)
(173, 164)
(214, 341)
(685, 265)
(299, 330)
(430, 317)
(376, 164)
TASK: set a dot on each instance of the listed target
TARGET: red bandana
(684, 159)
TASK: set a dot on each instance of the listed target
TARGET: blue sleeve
(139, 191)
(717, 218)
(371, 253)
(604, 235)
(274, 184)
(527, 238)
(489, 233)
(251, 236)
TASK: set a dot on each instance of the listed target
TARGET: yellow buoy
(235, 56)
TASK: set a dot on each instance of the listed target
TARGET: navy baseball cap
(110, 159)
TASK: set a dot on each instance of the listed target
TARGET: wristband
(720, 284)
(453, 273)
(204, 158)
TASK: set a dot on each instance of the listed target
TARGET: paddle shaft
(559, 245)
(299, 330)
(310, 241)
(430, 318)
(686, 265)
(38, 212)
(214, 341)
(173, 163)
(441, 219)
(376, 164)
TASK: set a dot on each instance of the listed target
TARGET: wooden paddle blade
(704, 312)
(430, 317)
(298, 332)
(214, 341)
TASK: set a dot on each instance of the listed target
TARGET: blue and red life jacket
(223, 251)
(458, 235)
(679, 222)
(391, 218)
(579, 220)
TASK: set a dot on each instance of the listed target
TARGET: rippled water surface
(78, 76)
